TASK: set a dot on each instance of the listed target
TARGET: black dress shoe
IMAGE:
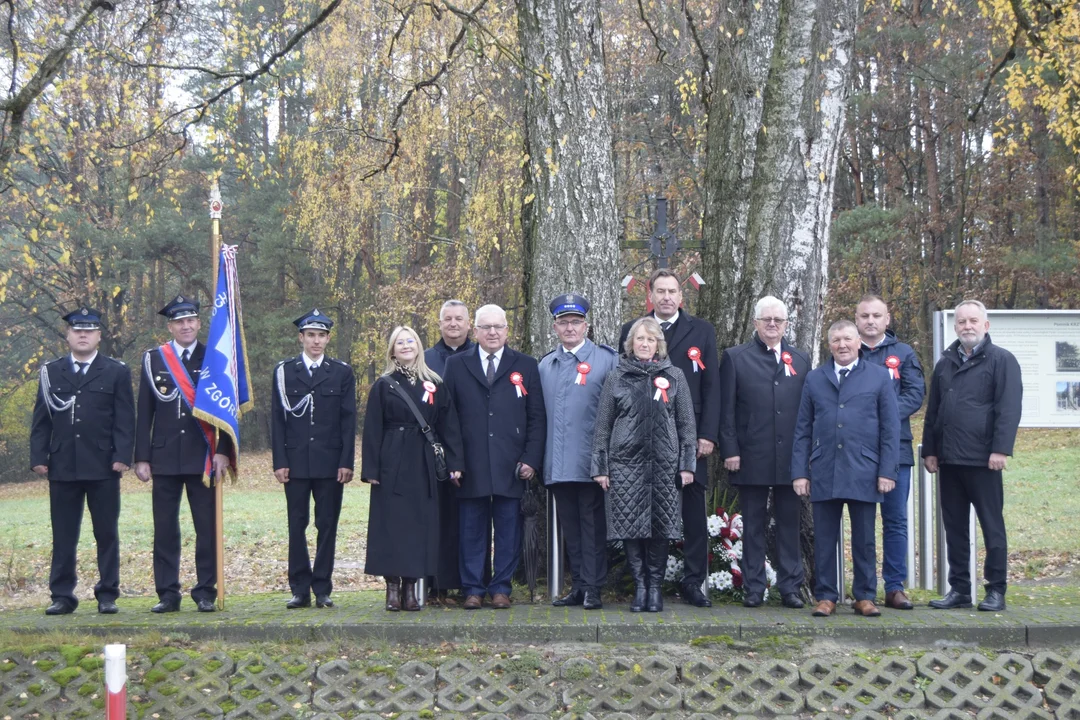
(994, 602)
(592, 600)
(298, 601)
(791, 600)
(574, 597)
(951, 601)
(166, 606)
(753, 599)
(694, 596)
(107, 607)
(205, 605)
(60, 607)
(323, 601)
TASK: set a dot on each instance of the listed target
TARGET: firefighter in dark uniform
(171, 449)
(81, 438)
(313, 426)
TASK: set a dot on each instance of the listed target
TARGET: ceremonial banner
(224, 393)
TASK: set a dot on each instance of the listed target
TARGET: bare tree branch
(1005, 59)
(706, 61)
(661, 53)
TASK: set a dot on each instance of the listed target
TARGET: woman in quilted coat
(644, 452)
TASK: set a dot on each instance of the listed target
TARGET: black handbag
(442, 472)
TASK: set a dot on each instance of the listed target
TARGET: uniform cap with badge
(180, 307)
(313, 320)
(84, 319)
(569, 304)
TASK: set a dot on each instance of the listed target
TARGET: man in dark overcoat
(691, 344)
(171, 448)
(453, 335)
(880, 346)
(500, 403)
(313, 431)
(846, 451)
(81, 438)
(761, 384)
(971, 420)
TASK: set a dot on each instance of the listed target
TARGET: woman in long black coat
(399, 463)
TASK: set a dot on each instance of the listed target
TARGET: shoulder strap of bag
(424, 427)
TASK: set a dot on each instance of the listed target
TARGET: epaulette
(545, 355)
(115, 360)
(283, 362)
(610, 349)
(340, 362)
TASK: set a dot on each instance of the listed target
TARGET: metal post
(555, 549)
(973, 556)
(421, 591)
(910, 521)
(840, 571)
(926, 527)
(942, 545)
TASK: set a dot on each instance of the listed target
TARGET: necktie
(843, 374)
(665, 325)
(185, 356)
(312, 368)
(81, 367)
(491, 369)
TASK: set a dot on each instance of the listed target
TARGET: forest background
(375, 158)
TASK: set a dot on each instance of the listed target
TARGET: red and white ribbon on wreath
(694, 354)
(429, 392)
(582, 370)
(789, 369)
(893, 363)
(519, 383)
(662, 384)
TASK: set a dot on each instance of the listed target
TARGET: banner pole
(219, 482)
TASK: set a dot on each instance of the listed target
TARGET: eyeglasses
(405, 341)
(489, 328)
(576, 322)
(771, 321)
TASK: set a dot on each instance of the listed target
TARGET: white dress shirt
(484, 359)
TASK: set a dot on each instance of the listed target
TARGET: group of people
(621, 437)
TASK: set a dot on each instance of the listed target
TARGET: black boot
(393, 593)
(657, 566)
(408, 595)
(635, 561)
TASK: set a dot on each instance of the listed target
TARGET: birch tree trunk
(569, 217)
(777, 110)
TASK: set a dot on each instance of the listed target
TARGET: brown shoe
(393, 594)
(473, 602)
(824, 608)
(866, 608)
(898, 600)
(500, 601)
(408, 595)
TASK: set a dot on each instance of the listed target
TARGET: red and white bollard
(116, 682)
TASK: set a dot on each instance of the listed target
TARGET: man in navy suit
(846, 450)
(500, 404)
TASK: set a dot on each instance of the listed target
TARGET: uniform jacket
(83, 442)
(498, 428)
(910, 386)
(759, 405)
(435, 356)
(974, 407)
(690, 332)
(571, 409)
(167, 435)
(641, 444)
(323, 438)
(847, 437)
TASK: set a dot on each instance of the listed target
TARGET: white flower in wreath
(674, 569)
(770, 574)
(720, 581)
(715, 525)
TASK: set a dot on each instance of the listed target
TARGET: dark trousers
(695, 530)
(583, 521)
(787, 507)
(894, 537)
(476, 516)
(327, 492)
(166, 503)
(827, 516)
(961, 487)
(66, 508)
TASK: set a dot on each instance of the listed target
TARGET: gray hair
(653, 328)
(841, 325)
(767, 302)
(975, 303)
(453, 303)
(486, 309)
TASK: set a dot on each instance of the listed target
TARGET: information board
(1046, 343)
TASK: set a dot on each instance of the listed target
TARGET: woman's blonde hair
(652, 327)
(422, 370)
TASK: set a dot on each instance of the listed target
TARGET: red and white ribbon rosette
(694, 354)
(429, 392)
(582, 370)
(789, 369)
(662, 384)
(893, 363)
(519, 383)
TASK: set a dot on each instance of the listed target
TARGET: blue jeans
(894, 539)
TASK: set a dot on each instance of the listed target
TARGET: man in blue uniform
(171, 448)
(880, 346)
(313, 429)
(572, 376)
(81, 439)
